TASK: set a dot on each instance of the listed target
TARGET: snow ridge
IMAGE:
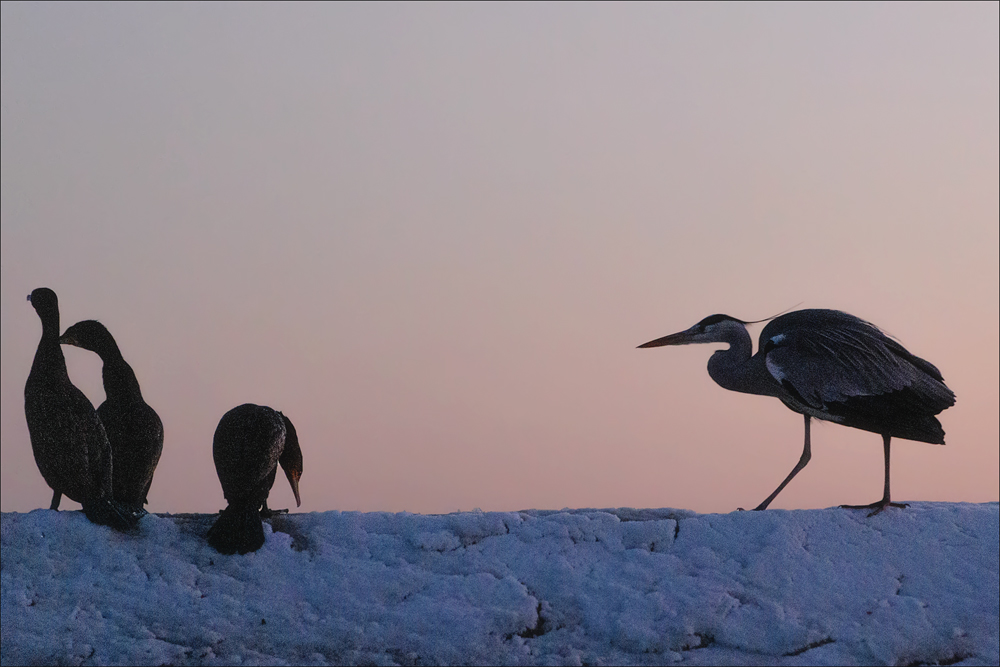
(621, 586)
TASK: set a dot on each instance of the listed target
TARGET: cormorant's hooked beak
(66, 339)
(293, 476)
(681, 338)
(291, 458)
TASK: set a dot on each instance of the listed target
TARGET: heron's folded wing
(835, 365)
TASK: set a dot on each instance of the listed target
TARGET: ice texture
(570, 587)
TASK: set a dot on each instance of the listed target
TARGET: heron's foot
(267, 513)
(876, 507)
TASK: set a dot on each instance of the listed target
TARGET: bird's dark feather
(133, 428)
(837, 366)
(68, 439)
(249, 443)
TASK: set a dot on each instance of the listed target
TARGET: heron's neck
(731, 368)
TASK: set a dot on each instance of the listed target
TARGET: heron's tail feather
(237, 530)
(108, 512)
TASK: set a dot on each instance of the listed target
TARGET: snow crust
(623, 586)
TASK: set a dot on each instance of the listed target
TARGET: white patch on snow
(570, 587)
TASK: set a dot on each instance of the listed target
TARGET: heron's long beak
(293, 479)
(680, 338)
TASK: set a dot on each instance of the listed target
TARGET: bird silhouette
(833, 366)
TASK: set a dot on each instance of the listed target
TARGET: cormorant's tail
(108, 512)
(237, 530)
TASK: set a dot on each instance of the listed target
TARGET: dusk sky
(434, 234)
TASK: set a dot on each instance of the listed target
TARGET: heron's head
(712, 329)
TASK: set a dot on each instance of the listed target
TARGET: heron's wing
(823, 366)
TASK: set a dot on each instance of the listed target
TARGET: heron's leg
(886, 501)
(56, 497)
(803, 460)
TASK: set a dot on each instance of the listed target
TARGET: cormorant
(67, 438)
(250, 442)
(133, 428)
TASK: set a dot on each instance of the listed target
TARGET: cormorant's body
(250, 443)
(133, 428)
(67, 438)
(829, 365)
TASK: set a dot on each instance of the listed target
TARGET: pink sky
(433, 236)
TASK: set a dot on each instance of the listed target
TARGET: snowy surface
(571, 587)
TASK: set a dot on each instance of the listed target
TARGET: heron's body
(250, 443)
(133, 427)
(68, 439)
(829, 365)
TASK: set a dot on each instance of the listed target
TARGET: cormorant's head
(710, 330)
(291, 459)
(88, 334)
(44, 301)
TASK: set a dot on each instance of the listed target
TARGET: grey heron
(833, 366)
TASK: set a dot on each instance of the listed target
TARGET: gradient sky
(433, 236)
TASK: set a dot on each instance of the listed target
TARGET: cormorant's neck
(49, 360)
(106, 348)
(120, 382)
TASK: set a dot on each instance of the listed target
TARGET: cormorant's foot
(267, 513)
(108, 512)
(876, 507)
